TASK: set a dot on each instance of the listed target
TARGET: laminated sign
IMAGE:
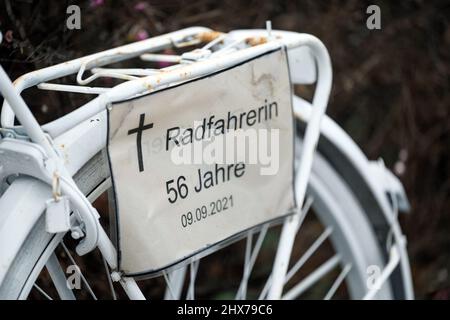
(200, 163)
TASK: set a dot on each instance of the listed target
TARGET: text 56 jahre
(178, 188)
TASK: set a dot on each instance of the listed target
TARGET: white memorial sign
(198, 163)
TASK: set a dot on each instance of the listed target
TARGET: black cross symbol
(139, 130)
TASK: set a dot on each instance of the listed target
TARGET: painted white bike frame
(64, 139)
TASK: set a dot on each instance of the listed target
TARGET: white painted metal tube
(72, 88)
(394, 260)
(311, 138)
(151, 83)
(131, 289)
(176, 279)
(24, 114)
(160, 57)
(105, 57)
(107, 249)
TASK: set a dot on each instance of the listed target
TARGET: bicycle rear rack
(218, 51)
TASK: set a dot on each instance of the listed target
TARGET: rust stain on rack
(254, 41)
(209, 36)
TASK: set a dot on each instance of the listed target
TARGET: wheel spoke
(311, 250)
(59, 279)
(300, 262)
(193, 267)
(176, 278)
(42, 292)
(305, 210)
(242, 291)
(338, 282)
(311, 279)
(88, 287)
(169, 285)
(108, 275)
(289, 230)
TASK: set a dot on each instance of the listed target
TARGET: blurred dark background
(390, 90)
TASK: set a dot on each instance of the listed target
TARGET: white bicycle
(344, 242)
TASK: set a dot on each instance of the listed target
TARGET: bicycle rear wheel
(332, 253)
